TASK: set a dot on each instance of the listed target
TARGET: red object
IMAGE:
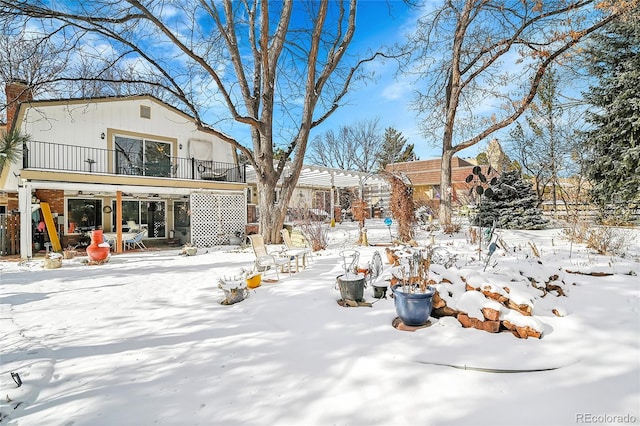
(95, 252)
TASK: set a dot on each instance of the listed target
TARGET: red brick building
(424, 176)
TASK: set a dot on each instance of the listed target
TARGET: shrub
(317, 234)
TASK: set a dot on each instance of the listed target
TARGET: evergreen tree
(395, 149)
(511, 203)
(613, 163)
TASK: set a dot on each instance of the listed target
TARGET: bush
(602, 239)
(317, 234)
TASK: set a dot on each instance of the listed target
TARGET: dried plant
(414, 273)
(603, 239)
(317, 234)
(402, 206)
(359, 211)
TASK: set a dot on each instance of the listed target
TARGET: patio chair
(266, 261)
(295, 251)
(135, 241)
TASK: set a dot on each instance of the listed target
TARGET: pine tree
(511, 203)
(613, 164)
(395, 149)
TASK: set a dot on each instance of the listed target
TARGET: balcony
(53, 156)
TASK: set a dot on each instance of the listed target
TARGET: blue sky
(389, 96)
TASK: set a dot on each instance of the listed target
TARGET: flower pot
(52, 262)
(98, 250)
(413, 309)
(351, 287)
(234, 291)
(254, 281)
(379, 291)
(190, 251)
(69, 254)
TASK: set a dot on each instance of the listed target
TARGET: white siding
(81, 124)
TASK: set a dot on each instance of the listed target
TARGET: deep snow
(144, 340)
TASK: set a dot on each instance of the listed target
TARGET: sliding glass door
(140, 157)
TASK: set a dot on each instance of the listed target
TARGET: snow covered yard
(144, 340)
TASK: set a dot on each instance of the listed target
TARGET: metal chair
(136, 241)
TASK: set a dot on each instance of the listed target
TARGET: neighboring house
(424, 176)
(93, 160)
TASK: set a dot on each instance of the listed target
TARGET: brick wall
(16, 91)
(55, 198)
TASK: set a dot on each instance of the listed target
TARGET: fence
(9, 234)
(53, 156)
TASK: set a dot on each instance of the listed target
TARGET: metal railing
(54, 156)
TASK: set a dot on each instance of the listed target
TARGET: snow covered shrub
(512, 204)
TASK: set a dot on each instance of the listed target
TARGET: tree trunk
(446, 191)
(272, 215)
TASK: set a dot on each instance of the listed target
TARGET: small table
(112, 238)
(296, 253)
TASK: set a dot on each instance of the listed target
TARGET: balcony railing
(53, 156)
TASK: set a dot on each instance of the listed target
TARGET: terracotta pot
(98, 250)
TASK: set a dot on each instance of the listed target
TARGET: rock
(468, 322)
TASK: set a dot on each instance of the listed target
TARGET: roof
(326, 177)
(115, 98)
(427, 172)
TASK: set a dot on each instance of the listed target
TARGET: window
(140, 157)
(83, 214)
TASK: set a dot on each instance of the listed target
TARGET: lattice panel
(216, 216)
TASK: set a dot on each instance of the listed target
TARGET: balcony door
(142, 157)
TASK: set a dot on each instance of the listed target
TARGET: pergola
(368, 184)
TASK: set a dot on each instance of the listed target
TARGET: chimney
(17, 91)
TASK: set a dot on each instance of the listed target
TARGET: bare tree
(278, 69)
(352, 147)
(32, 60)
(545, 143)
(482, 62)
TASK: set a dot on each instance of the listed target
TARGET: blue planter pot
(413, 309)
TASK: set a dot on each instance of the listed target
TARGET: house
(424, 176)
(117, 163)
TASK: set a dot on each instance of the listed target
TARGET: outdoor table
(112, 237)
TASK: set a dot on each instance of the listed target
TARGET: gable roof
(100, 99)
(104, 99)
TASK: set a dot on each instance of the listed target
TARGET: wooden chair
(304, 252)
(266, 261)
